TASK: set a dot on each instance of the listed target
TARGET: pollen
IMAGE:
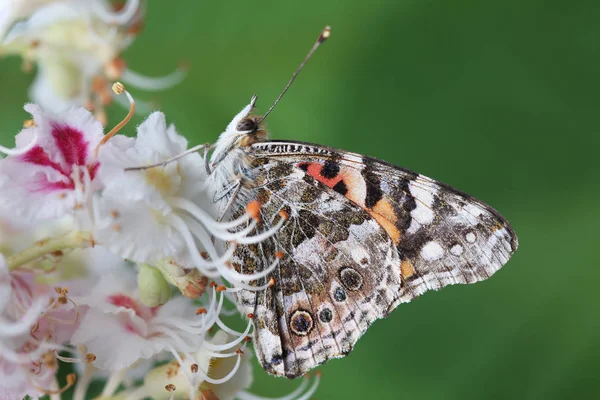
(253, 208)
(221, 288)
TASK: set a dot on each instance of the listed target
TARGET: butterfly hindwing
(338, 271)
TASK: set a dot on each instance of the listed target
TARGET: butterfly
(359, 236)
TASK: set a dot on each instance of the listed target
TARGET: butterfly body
(360, 237)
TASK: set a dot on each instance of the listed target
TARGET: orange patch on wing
(384, 208)
(314, 170)
(385, 215)
(388, 226)
(406, 269)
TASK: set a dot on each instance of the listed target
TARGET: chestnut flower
(33, 324)
(76, 45)
(53, 169)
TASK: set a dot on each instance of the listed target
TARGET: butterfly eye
(247, 124)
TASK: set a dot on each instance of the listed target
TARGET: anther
(114, 213)
(279, 255)
(318, 374)
(194, 368)
(247, 339)
(221, 288)
(90, 358)
(71, 379)
(283, 214)
(118, 88)
(200, 311)
(213, 284)
(170, 387)
(28, 123)
(251, 316)
(271, 282)
(253, 208)
(204, 255)
(239, 352)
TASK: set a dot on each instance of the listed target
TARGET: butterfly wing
(443, 236)
(338, 271)
(362, 237)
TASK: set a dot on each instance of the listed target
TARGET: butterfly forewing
(362, 237)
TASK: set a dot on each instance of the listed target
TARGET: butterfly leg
(206, 162)
(233, 189)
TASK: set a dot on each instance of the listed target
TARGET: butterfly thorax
(231, 161)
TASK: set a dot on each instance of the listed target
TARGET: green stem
(74, 240)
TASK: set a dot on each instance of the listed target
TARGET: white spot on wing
(432, 251)
(471, 237)
(457, 250)
(423, 213)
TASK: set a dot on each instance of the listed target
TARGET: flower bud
(153, 288)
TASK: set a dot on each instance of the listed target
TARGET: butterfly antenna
(322, 37)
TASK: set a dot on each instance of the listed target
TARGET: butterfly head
(243, 131)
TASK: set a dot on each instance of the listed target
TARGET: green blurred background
(497, 98)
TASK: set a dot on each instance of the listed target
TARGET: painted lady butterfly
(359, 237)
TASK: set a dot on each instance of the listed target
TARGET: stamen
(227, 346)
(292, 396)
(116, 18)
(18, 152)
(71, 379)
(194, 368)
(154, 83)
(237, 278)
(28, 123)
(118, 88)
(264, 235)
(171, 389)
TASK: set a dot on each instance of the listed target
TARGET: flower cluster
(115, 259)
(77, 46)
